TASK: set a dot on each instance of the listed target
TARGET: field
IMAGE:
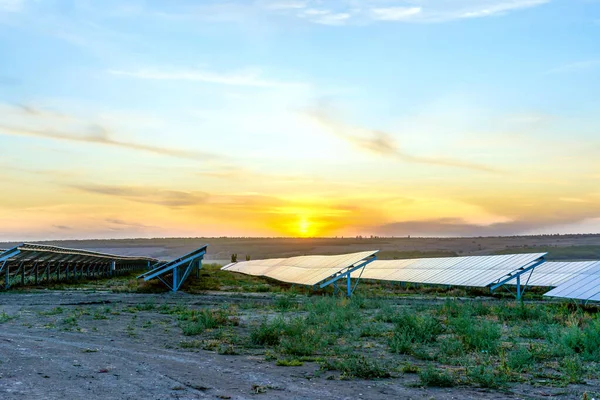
(220, 249)
(233, 336)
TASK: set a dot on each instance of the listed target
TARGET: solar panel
(474, 271)
(554, 273)
(585, 286)
(302, 270)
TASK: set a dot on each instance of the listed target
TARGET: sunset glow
(272, 119)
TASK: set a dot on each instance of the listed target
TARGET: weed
(98, 316)
(194, 323)
(267, 333)
(191, 344)
(478, 335)
(360, 367)
(572, 368)
(284, 303)
(485, 376)
(401, 343)
(4, 317)
(54, 311)
(413, 329)
(534, 330)
(227, 350)
(70, 322)
(520, 359)
(434, 377)
(451, 347)
(409, 369)
(373, 330)
(293, 362)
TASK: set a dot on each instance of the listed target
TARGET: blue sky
(303, 118)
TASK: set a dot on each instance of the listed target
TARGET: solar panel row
(585, 286)
(554, 273)
(302, 270)
(476, 271)
(479, 271)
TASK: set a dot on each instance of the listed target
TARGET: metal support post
(348, 286)
(519, 287)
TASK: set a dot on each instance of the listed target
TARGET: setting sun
(305, 228)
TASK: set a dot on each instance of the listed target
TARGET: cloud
(579, 66)
(445, 227)
(11, 5)
(500, 8)
(382, 143)
(149, 195)
(91, 133)
(249, 77)
(395, 13)
(287, 5)
(234, 173)
(343, 12)
(62, 227)
(125, 224)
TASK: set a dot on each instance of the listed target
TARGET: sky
(298, 118)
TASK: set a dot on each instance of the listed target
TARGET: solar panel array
(554, 273)
(302, 270)
(29, 263)
(32, 251)
(474, 271)
(585, 286)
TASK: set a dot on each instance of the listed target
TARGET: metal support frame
(348, 275)
(179, 269)
(517, 275)
(26, 264)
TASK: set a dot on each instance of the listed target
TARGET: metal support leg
(36, 273)
(175, 273)
(519, 287)
(348, 286)
(7, 277)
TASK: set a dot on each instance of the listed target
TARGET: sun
(305, 227)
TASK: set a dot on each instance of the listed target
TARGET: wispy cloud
(577, 66)
(287, 5)
(86, 132)
(383, 143)
(149, 195)
(122, 224)
(342, 12)
(395, 13)
(499, 8)
(248, 77)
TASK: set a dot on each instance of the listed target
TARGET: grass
(358, 366)
(434, 377)
(4, 317)
(488, 344)
(193, 322)
(293, 362)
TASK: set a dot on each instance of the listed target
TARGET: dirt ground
(59, 345)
